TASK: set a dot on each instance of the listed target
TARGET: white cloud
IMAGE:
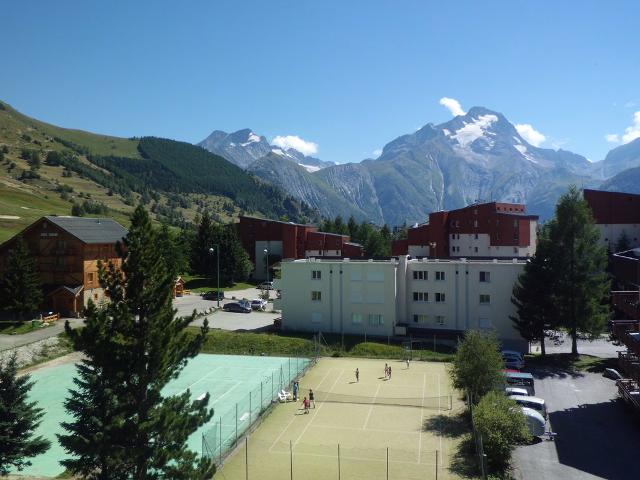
(530, 134)
(452, 105)
(630, 133)
(294, 141)
(377, 152)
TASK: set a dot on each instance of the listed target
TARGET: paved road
(598, 348)
(597, 436)
(12, 341)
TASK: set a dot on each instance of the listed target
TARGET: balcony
(627, 302)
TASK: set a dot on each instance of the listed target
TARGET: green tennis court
(241, 384)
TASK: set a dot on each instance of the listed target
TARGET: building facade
(400, 296)
(616, 214)
(287, 240)
(67, 251)
(487, 230)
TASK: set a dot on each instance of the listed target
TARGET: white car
(258, 304)
(265, 286)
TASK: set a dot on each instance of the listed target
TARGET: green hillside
(107, 176)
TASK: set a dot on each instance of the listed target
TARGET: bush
(502, 425)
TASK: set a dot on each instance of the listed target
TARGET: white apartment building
(400, 296)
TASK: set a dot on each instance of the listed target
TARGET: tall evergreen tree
(582, 284)
(235, 264)
(623, 243)
(533, 294)
(20, 291)
(122, 425)
(352, 227)
(202, 262)
(18, 419)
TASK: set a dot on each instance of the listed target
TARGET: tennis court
(371, 429)
(242, 384)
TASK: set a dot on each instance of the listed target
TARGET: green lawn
(199, 284)
(18, 328)
(290, 344)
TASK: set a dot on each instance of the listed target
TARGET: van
(520, 379)
(535, 403)
(513, 359)
(535, 422)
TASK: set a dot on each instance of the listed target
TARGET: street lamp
(266, 251)
(217, 249)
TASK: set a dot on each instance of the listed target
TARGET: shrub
(502, 425)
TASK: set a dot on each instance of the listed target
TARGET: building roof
(90, 230)
(249, 217)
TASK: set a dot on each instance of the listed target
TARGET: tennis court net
(443, 402)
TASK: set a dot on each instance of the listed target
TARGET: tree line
(376, 241)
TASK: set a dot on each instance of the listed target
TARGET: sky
(339, 79)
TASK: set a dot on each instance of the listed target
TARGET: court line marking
(358, 429)
(375, 395)
(199, 380)
(315, 414)
(228, 391)
(424, 381)
(294, 416)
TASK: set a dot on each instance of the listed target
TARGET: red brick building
(486, 230)
(288, 240)
(615, 213)
(66, 251)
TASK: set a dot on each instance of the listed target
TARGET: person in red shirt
(305, 403)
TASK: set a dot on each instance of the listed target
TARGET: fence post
(220, 441)
(338, 461)
(261, 403)
(250, 408)
(236, 442)
(246, 457)
(291, 458)
(289, 379)
(434, 343)
(271, 384)
(387, 463)
(436, 464)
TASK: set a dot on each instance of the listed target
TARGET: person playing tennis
(357, 375)
(305, 403)
(389, 371)
(311, 398)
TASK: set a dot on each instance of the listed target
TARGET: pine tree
(352, 227)
(202, 262)
(20, 291)
(533, 294)
(579, 262)
(18, 419)
(624, 242)
(123, 427)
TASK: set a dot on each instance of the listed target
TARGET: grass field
(305, 446)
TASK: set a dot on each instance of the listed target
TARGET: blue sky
(348, 76)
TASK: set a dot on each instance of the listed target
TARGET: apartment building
(288, 240)
(615, 213)
(66, 251)
(400, 296)
(483, 230)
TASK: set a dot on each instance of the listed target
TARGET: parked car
(213, 295)
(534, 403)
(513, 359)
(612, 373)
(265, 286)
(520, 380)
(516, 391)
(535, 422)
(236, 307)
(258, 304)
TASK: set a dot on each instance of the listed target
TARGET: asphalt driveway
(598, 437)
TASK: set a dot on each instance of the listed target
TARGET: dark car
(213, 295)
(237, 308)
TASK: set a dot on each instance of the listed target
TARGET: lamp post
(266, 251)
(217, 249)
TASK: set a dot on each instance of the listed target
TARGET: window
(95, 297)
(356, 319)
(515, 250)
(376, 320)
(475, 249)
(485, 277)
(316, 274)
(439, 319)
(316, 296)
(420, 275)
(90, 277)
(440, 276)
(316, 317)
(515, 223)
(439, 297)
(356, 275)
(356, 296)
(475, 223)
(475, 236)
(484, 323)
(420, 296)
(375, 276)
(485, 299)
(420, 318)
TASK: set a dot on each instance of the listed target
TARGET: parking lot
(597, 435)
(227, 320)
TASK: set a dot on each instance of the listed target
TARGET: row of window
(373, 319)
(485, 299)
(424, 319)
(484, 277)
(424, 297)
(456, 223)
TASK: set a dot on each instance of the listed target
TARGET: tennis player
(357, 375)
(311, 398)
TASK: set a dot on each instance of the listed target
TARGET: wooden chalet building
(66, 251)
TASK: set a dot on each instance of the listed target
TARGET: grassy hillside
(108, 176)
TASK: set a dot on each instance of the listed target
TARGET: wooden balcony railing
(628, 302)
